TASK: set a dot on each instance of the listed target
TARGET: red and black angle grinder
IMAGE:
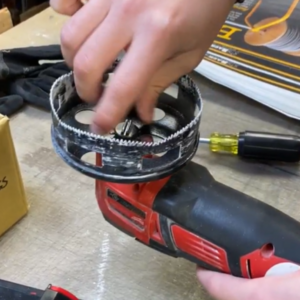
(148, 186)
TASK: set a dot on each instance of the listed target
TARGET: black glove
(10, 104)
(35, 90)
(20, 62)
(22, 75)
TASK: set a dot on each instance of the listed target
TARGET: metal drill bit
(127, 128)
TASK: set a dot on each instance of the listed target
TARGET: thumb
(225, 287)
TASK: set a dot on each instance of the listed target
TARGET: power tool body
(148, 187)
(14, 291)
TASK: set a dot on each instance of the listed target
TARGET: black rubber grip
(269, 146)
(228, 218)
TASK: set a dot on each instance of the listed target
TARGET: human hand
(226, 287)
(164, 39)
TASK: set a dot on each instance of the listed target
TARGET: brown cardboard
(13, 204)
(5, 20)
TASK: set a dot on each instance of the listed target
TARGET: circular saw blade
(132, 152)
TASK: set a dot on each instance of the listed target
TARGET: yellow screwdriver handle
(224, 143)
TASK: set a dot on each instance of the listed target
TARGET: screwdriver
(256, 145)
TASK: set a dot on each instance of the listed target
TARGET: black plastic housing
(230, 219)
(269, 146)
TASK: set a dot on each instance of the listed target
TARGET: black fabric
(25, 79)
(10, 104)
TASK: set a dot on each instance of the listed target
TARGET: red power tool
(15, 291)
(148, 187)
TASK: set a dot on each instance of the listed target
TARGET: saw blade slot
(89, 158)
(163, 159)
(158, 114)
(85, 116)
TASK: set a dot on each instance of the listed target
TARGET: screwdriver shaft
(204, 141)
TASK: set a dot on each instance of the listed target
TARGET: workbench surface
(64, 239)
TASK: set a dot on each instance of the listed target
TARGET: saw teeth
(64, 87)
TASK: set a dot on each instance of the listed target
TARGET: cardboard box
(13, 204)
(5, 20)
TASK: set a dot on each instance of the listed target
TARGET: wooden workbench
(64, 239)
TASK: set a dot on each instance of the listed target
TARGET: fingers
(145, 106)
(226, 287)
(78, 28)
(168, 73)
(129, 81)
(66, 7)
(96, 54)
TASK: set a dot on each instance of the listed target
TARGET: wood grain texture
(64, 239)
